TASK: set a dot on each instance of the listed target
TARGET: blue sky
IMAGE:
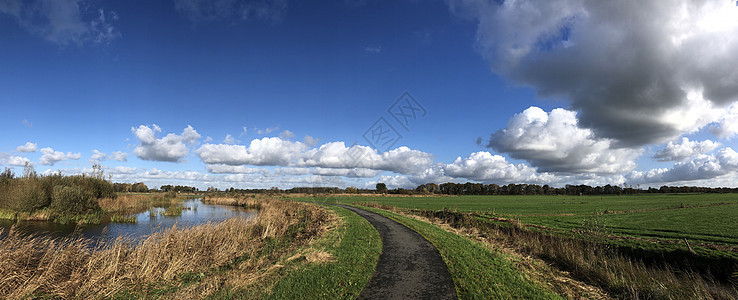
(255, 94)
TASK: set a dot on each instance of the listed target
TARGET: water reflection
(194, 213)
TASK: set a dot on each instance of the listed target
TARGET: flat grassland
(708, 219)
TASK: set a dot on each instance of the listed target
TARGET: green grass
(477, 272)
(669, 217)
(355, 246)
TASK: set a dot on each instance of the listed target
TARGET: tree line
(470, 188)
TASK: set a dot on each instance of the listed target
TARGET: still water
(194, 213)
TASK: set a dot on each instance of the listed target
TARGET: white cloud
(27, 147)
(27, 123)
(97, 156)
(637, 72)
(685, 149)
(702, 167)
(554, 142)
(401, 160)
(727, 125)
(63, 21)
(16, 161)
(223, 168)
(123, 170)
(229, 139)
(351, 173)
(267, 130)
(278, 152)
(483, 166)
(286, 135)
(261, 152)
(171, 148)
(50, 157)
(119, 156)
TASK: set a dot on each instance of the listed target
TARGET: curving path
(409, 267)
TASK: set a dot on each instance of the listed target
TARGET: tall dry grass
(591, 261)
(73, 268)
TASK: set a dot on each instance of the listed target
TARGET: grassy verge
(477, 272)
(356, 246)
(337, 266)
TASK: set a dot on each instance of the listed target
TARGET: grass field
(701, 218)
(628, 246)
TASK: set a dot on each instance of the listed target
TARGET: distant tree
(139, 187)
(352, 190)
(381, 187)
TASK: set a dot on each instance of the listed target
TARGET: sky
(283, 93)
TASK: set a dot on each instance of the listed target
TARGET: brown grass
(73, 268)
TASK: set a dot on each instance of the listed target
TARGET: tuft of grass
(123, 219)
(172, 211)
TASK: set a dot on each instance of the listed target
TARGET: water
(193, 213)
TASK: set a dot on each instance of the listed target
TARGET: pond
(194, 213)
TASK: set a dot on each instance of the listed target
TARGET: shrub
(24, 195)
(73, 200)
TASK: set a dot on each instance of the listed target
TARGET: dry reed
(32, 266)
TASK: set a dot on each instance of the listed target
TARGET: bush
(23, 195)
(73, 200)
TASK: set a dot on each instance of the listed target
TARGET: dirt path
(409, 267)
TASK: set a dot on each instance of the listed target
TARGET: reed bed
(33, 266)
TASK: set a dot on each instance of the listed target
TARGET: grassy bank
(179, 263)
(337, 266)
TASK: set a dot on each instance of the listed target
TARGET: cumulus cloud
(119, 156)
(63, 21)
(261, 152)
(123, 170)
(701, 167)
(483, 166)
(16, 161)
(638, 72)
(50, 157)
(97, 156)
(358, 159)
(171, 148)
(211, 10)
(27, 147)
(554, 142)
(401, 160)
(684, 149)
(727, 125)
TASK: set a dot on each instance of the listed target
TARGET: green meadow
(701, 218)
